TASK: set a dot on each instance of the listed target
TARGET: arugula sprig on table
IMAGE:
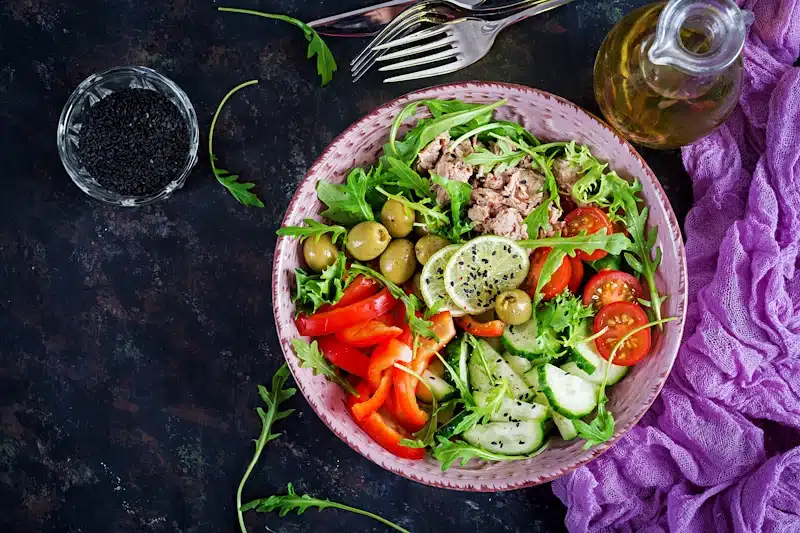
(619, 197)
(292, 501)
(272, 398)
(311, 357)
(239, 190)
(326, 65)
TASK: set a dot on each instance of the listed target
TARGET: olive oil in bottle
(669, 73)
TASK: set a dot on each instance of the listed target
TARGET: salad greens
(300, 504)
(448, 452)
(315, 290)
(326, 65)
(273, 398)
(314, 229)
(347, 203)
(459, 193)
(311, 357)
(239, 190)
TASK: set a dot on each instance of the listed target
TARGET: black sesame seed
(522, 442)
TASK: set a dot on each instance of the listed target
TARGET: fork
(466, 40)
(427, 11)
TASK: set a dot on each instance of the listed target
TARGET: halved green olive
(367, 240)
(513, 307)
(429, 245)
(398, 219)
(320, 253)
(398, 263)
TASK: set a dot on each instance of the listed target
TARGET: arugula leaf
(614, 244)
(314, 229)
(300, 504)
(433, 215)
(407, 179)
(569, 317)
(273, 398)
(477, 349)
(539, 218)
(619, 197)
(239, 190)
(412, 304)
(347, 203)
(408, 111)
(312, 291)
(311, 357)
(439, 107)
(326, 65)
(459, 193)
(447, 452)
(491, 161)
(482, 413)
(460, 384)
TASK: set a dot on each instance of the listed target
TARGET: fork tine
(358, 72)
(390, 32)
(424, 34)
(418, 49)
(445, 54)
(382, 36)
(435, 71)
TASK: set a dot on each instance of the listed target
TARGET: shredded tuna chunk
(507, 223)
(451, 165)
(515, 190)
(429, 155)
(566, 175)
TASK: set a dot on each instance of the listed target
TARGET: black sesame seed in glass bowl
(128, 136)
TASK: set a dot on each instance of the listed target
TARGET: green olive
(398, 262)
(398, 219)
(422, 228)
(429, 245)
(367, 240)
(320, 254)
(513, 307)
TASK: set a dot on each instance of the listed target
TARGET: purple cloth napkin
(720, 449)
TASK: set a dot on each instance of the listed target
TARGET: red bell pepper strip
(368, 333)
(405, 385)
(384, 430)
(359, 289)
(320, 324)
(384, 356)
(345, 357)
(371, 404)
(493, 328)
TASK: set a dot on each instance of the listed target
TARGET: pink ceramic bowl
(548, 117)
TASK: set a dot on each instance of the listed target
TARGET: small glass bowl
(95, 88)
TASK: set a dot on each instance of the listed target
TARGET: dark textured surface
(132, 340)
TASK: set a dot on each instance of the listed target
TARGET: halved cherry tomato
(405, 385)
(359, 289)
(609, 286)
(363, 409)
(621, 318)
(346, 357)
(591, 220)
(384, 356)
(384, 429)
(368, 333)
(576, 276)
(328, 322)
(493, 328)
(558, 281)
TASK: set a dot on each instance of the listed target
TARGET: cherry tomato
(591, 220)
(621, 318)
(609, 286)
(576, 277)
(558, 281)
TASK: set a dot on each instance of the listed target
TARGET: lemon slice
(432, 282)
(483, 268)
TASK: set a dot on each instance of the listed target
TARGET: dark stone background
(131, 341)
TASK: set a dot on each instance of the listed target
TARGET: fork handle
(539, 8)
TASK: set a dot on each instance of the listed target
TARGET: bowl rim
(494, 485)
(105, 195)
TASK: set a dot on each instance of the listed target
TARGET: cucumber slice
(457, 354)
(503, 370)
(590, 366)
(483, 268)
(569, 395)
(518, 364)
(441, 389)
(565, 426)
(511, 438)
(478, 379)
(531, 378)
(514, 410)
(521, 340)
(432, 281)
